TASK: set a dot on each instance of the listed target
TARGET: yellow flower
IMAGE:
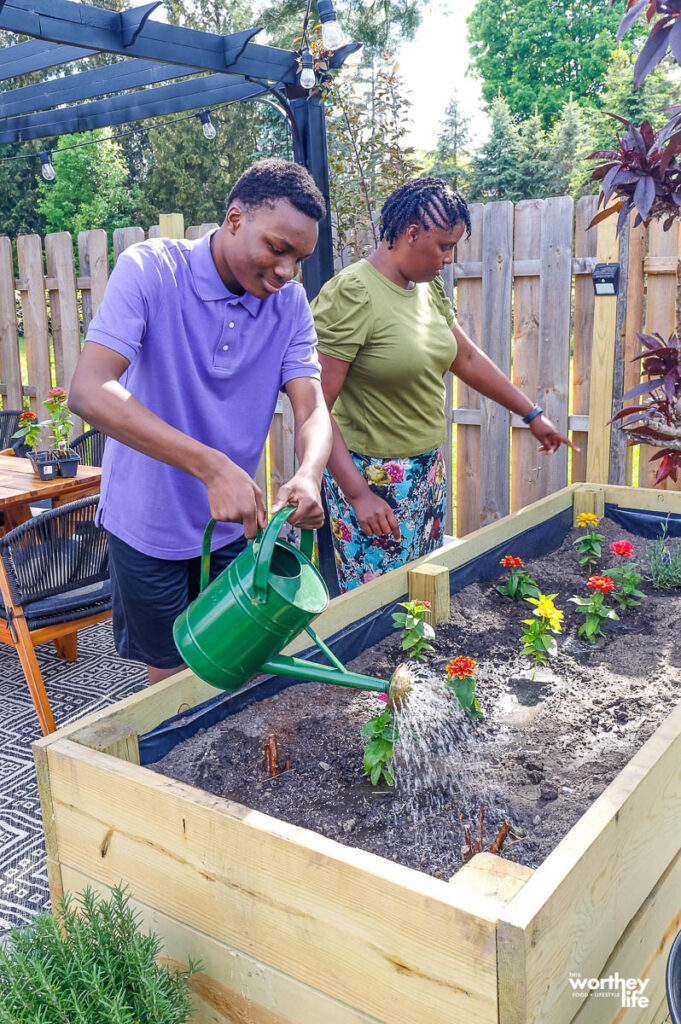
(587, 519)
(377, 475)
(545, 609)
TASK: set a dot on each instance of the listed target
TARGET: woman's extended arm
(474, 368)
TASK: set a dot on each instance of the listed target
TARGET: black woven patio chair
(9, 422)
(54, 580)
(674, 980)
(90, 447)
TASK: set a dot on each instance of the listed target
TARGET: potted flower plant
(59, 425)
(59, 458)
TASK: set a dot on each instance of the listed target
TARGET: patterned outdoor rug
(98, 678)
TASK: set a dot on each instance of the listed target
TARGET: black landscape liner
(351, 641)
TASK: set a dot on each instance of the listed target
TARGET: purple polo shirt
(206, 361)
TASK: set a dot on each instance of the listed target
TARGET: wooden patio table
(19, 487)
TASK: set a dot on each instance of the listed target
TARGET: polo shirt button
(231, 323)
(225, 348)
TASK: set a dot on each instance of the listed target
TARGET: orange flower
(426, 604)
(27, 416)
(603, 583)
(461, 667)
(511, 560)
(622, 548)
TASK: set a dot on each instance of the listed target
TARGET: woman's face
(423, 253)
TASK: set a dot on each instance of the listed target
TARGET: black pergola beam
(170, 99)
(37, 55)
(127, 74)
(62, 21)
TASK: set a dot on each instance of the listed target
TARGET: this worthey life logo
(629, 990)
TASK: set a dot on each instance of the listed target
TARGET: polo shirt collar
(208, 282)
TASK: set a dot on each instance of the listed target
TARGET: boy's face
(259, 248)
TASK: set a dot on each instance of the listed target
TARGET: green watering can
(240, 622)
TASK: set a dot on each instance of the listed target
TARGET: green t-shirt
(399, 344)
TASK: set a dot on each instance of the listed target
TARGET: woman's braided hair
(424, 201)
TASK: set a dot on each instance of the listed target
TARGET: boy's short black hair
(268, 180)
(424, 201)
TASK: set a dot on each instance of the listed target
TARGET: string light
(207, 125)
(47, 169)
(307, 75)
(332, 33)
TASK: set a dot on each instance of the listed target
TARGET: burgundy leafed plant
(641, 175)
(657, 421)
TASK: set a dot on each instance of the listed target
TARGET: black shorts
(149, 593)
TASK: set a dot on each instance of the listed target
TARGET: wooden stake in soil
(271, 756)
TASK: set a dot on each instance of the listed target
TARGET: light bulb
(332, 33)
(308, 78)
(208, 128)
(47, 170)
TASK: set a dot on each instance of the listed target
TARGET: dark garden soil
(545, 750)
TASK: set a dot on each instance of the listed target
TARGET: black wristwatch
(532, 414)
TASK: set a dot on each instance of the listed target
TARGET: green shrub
(664, 562)
(90, 964)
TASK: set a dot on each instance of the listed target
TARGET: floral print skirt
(415, 489)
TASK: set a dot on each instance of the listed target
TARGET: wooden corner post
(431, 583)
(603, 362)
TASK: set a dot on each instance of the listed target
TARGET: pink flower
(395, 471)
(622, 548)
(381, 696)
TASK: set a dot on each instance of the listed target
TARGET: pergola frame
(144, 85)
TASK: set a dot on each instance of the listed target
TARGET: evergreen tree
(571, 141)
(494, 168)
(659, 89)
(534, 156)
(450, 160)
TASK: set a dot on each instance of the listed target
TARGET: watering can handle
(264, 543)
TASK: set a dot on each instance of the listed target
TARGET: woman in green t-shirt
(387, 336)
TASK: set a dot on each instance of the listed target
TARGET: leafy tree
(494, 168)
(538, 55)
(90, 189)
(450, 160)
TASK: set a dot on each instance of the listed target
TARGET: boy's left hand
(303, 492)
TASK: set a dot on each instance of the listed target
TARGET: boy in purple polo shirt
(181, 369)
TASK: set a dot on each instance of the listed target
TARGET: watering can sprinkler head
(399, 686)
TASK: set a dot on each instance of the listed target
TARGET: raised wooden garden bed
(294, 928)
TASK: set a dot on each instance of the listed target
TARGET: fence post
(497, 276)
(10, 365)
(602, 362)
(36, 335)
(93, 258)
(124, 237)
(585, 248)
(61, 275)
(171, 225)
(469, 312)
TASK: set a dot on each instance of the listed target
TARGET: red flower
(461, 666)
(56, 393)
(511, 560)
(622, 548)
(603, 583)
(426, 604)
(27, 416)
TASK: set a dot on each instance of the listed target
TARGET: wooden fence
(523, 290)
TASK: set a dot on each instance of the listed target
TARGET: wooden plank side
(171, 225)
(651, 498)
(642, 952)
(660, 318)
(554, 333)
(66, 341)
(469, 315)
(380, 937)
(495, 434)
(574, 910)
(36, 334)
(638, 244)
(10, 365)
(585, 246)
(124, 237)
(231, 987)
(526, 291)
(93, 258)
(602, 363)
(282, 447)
